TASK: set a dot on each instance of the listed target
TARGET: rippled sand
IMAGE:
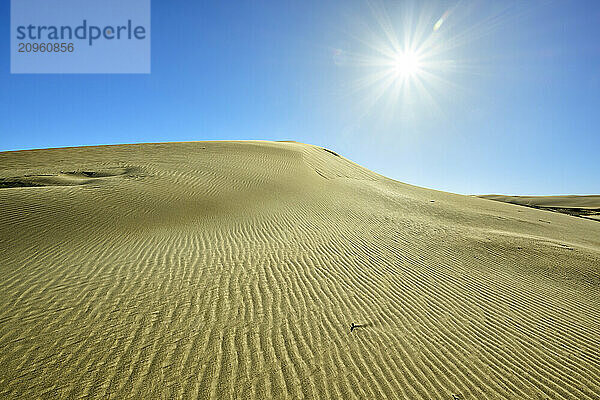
(234, 270)
(578, 206)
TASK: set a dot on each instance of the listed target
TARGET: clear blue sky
(506, 98)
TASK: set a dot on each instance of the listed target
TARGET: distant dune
(235, 270)
(579, 206)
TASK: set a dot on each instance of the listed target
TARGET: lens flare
(440, 21)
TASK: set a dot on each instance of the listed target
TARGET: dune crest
(578, 206)
(236, 270)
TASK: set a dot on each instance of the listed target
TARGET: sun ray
(405, 59)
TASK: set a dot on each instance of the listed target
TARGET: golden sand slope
(579, 206)
(234, 270)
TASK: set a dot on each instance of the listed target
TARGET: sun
(406, 64)
(404, 60)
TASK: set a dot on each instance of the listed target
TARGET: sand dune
(234, 270)
(578, 206)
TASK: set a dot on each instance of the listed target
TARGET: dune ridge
(578, 206)
(234, 270)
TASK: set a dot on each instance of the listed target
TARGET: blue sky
(506, 98)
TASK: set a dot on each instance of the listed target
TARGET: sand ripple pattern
(222, 270)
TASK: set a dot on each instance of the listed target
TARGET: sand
(579, 206)
(235, 269)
